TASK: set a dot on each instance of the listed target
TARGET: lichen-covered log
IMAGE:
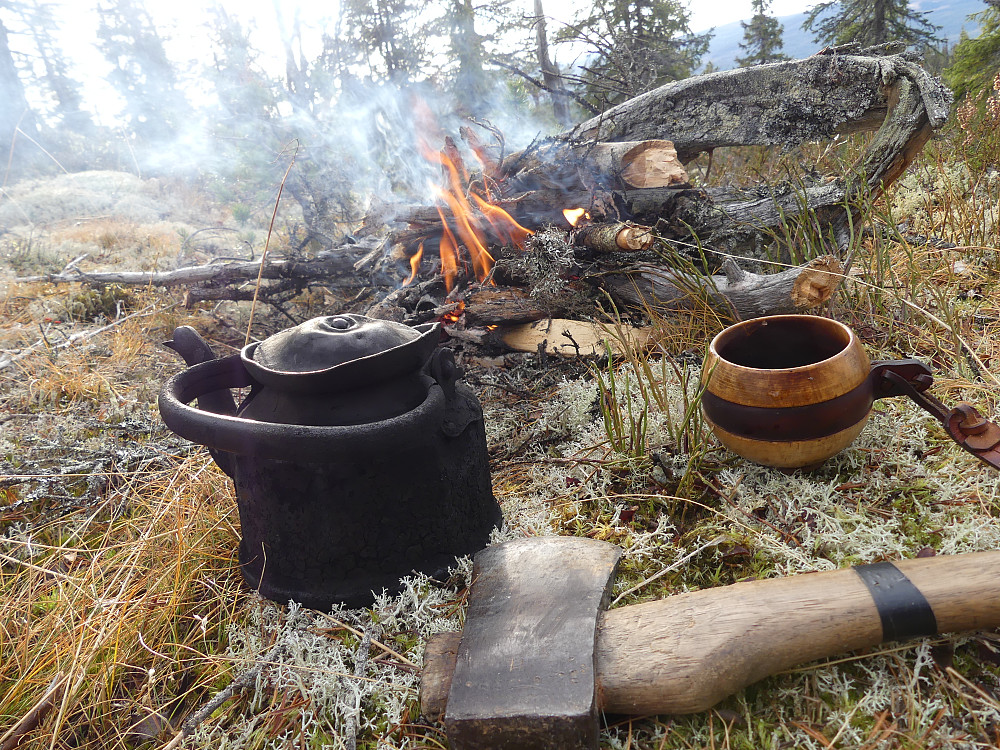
(782, 104)
(737, 293)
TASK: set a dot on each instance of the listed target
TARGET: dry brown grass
(127, 599)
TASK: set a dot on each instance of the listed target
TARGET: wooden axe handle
(686, 653)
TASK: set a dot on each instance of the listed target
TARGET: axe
(540, 657)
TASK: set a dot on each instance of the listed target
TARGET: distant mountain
(951, 15)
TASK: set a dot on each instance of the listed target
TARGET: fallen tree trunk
(736, 292)
(779, 104)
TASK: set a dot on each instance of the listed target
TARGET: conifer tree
(15, 114)
(141, 71)
(636, 45)
(762, 41)
(976, 60)
(869, 23)
(40, 20)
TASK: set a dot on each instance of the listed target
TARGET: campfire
(607, 210)
(464, 226)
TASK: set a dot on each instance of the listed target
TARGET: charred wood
(502, 305)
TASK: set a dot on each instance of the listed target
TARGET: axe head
(525, 673)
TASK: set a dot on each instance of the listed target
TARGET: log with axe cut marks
(540, 658)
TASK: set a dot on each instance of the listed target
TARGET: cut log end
(616, 237)
(817, 282)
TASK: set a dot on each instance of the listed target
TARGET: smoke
(238, 99)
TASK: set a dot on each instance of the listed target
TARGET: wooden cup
(787, 391)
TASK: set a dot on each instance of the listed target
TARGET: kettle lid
(339, 351)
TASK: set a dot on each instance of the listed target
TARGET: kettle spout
(194, 349)
(190, 345)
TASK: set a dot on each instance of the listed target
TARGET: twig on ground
(244, 680)
(80, 336)
(13, 736)
(673, 566)
(375, 643)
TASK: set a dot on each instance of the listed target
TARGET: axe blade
(525, 674)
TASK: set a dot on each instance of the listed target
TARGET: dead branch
(334, 268)
(737, 293)
(242, 682)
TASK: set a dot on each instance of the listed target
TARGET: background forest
(232, 98)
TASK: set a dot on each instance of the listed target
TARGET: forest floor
(124, 611)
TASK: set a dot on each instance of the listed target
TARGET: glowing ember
(454, 314)
(573, 215)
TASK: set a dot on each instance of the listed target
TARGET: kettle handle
(216, 376)
(227, 435)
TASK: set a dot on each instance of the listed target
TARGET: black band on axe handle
(904, 611)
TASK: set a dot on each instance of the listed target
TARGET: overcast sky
(187, 16)
(182, 24)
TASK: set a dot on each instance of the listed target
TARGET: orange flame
(415, 264)
(449, 253)
(574, 215)
(470, 225)
(503, 223)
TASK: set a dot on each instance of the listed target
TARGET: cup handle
(964, 424)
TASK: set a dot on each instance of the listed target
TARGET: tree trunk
(550, 73)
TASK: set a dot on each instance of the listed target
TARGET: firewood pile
(607, 210)
(608, 206)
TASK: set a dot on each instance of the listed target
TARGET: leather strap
(964, 424)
